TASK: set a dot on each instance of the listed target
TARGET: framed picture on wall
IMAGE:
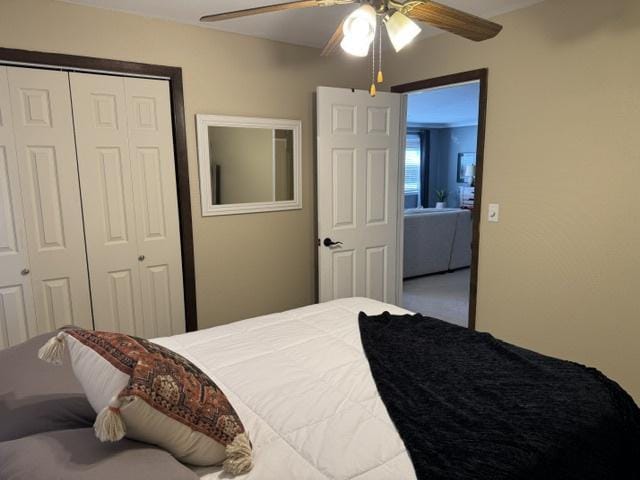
(465, 161)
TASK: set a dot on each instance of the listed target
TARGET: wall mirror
(248, 165)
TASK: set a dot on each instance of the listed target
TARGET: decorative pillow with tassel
(151, 394)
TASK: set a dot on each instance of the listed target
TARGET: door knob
(330, 243)
(25, 271)
(141, 258)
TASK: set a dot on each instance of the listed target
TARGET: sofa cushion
(461, 250)
(428, 238)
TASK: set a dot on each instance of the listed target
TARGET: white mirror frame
(204, 122)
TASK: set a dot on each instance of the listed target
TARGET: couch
(436, 240)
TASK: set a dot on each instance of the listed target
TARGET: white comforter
(301, 384)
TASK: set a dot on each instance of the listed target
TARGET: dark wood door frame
(57, 61)
(481, 76)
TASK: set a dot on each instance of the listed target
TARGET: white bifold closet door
(43, 268)
(129, 198)
(17, 314)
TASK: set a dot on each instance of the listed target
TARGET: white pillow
(151, 394)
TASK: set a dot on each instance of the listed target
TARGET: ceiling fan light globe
(357, 47)
(361, 23)
(360, 28)
(402, 30)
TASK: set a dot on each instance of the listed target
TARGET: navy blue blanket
(468, 406)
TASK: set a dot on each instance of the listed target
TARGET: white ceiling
(455, 106)
(311, 26)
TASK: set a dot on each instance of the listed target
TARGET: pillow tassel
(109, 426)
(53, 350)
(238, 456)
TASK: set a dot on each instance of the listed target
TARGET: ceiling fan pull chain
(380, 75)
(372, 90)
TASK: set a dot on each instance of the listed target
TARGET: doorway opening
(443, 157)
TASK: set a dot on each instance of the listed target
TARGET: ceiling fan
(357, 32)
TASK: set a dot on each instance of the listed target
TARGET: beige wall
(247, 264)
(560, 273)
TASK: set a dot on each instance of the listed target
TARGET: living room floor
(441, 295)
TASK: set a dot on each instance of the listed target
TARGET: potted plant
(441, 198)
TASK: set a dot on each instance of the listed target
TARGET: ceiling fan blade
(278, 7)
(334, 41)
(452, 20)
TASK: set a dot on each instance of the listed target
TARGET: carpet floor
(444, 296)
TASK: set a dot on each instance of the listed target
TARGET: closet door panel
(46, 155)
(17, 313)
(156, 205)
(104, 165)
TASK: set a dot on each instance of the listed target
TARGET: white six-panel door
(358, 147)
(48, 181)
(125, 157)
(17, 314)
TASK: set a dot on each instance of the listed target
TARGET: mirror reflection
(250, 165)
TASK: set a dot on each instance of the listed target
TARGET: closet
(89, 232)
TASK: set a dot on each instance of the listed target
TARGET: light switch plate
(494, 212)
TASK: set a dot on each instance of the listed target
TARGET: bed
(297, 379)
(301, 381)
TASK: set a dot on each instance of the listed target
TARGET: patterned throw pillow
(151, 394)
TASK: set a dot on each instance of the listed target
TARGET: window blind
(412, 162)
